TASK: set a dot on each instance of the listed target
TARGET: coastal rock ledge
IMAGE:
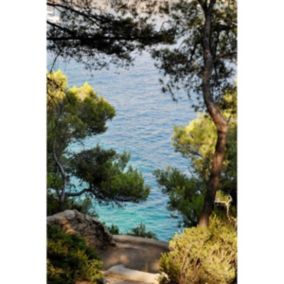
(74, 222)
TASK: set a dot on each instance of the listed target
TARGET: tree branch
(61, 169)
(73, 194)
(71, 32)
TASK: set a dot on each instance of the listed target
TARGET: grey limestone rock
(74, 222)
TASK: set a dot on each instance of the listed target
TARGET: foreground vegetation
(70, 259)
(202, 255)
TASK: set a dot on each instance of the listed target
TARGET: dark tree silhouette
(96, 35)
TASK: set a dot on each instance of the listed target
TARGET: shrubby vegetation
(139, 231)
(202, 255)
(113, 229)
(70, 259)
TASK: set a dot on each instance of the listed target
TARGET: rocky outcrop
(74, 222)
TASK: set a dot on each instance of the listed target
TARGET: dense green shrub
(202, 255)
(140, 231)
(113, 229)
(70, 259)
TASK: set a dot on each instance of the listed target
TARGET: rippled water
(143, 125)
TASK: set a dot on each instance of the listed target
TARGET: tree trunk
(217, 117)
(64, 178)
(213, 183)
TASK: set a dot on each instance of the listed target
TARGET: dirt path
(134, 253)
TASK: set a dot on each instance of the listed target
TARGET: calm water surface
(143, 125)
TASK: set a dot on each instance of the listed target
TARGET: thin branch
(71, 32)
(98, 37)
(54, 61)
(73, 194)
(62, 171)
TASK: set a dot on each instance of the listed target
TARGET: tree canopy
(200, 60)
(97, 33)
(183, 64)
(74, 114)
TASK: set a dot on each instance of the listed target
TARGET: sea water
(143, 126)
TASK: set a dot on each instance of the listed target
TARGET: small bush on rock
(113, 229)
(140, 231)
(202, 255)
(70, 259)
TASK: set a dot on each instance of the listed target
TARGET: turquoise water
(143, 125)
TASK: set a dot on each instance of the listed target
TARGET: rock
(74, 222)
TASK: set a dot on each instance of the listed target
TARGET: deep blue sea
(143, 126)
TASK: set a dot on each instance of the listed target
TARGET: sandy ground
(134, 253)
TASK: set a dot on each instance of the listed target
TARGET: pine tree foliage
(98, 33)
(73, 115)
(196, 141)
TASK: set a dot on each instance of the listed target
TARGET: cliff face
(74, 222)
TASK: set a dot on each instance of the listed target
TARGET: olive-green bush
(202, 255)
(70, 259)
